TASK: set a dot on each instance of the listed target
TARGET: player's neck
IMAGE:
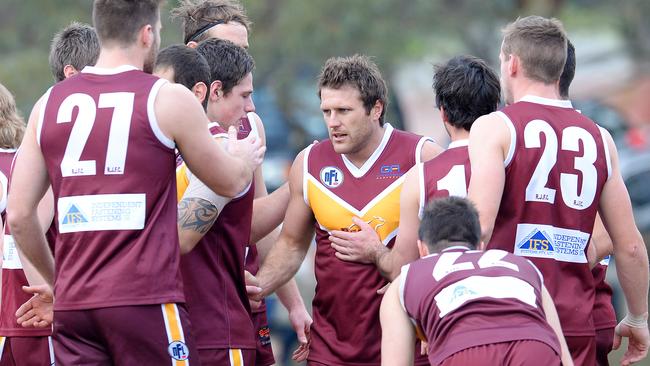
(110, 58)
(529, 87)
(457, 134)
(360, 157)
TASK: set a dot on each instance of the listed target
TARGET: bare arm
(398, 334)
(629, 249)
(287, 254)
(29, 183)
(554, 321)
(45, 213)
(489, 140)
(183, 120)
(601, 242)
(405, 249)
(268, 212)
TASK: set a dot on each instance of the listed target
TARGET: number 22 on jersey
(122, 104)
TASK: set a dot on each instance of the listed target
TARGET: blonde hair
(540, 43)
(12, 125)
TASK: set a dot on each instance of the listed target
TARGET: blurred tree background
(292, 38)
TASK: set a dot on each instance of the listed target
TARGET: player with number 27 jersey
(558, 163)
(114, 186)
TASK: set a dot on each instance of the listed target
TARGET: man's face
(233, 31)
(348, 124)
(229, 108)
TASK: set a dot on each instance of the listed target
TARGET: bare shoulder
(430, 150)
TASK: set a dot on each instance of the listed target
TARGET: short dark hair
(119, 20)
(228, 62)
(199, 17)
(190, 67)
(76, 45)
(466, 88)
(449, 220)
(359, 72)
(569, 70)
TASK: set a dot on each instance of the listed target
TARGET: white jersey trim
(603, 133)
(360, 172)
(458, 143)
(420, 146)
(402, 285)
(562, 103)
(305, 174)
(41, 115)
(151, 112)
(422, 187)
(51, 349)
(2, 150)
(513, 138)
(104, 71)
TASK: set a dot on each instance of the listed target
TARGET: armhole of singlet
(305, 172)
(422, 187)
(41, 116)
(252, 119)
(151, 113)
(513, 138)
(402, 285)
(419, 147)
(603, 133)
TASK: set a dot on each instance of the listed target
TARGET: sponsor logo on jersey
(546, 241)
(74, 216)
(178, 351)
(264, 335)
(331, 176)
(390, 171)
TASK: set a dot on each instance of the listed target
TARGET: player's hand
(358, 246)
(253, 290)
(301, 324)
(639, 341)
(249, 149)
(38, 311)
(424, 348)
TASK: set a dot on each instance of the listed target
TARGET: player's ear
(513, 64)
(192, 44)
(146, 35)
(422, 249)
(69, 70)
(200, 91)
(216, 90)
(376, 110)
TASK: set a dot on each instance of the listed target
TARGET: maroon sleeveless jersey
(445, 175)
(604, 314)
(465, 298)
(113, 177)
(13, 277)
(555, 171)
(213, 277)
(346, 329)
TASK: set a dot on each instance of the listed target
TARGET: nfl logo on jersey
(178, 351)
(331, 176)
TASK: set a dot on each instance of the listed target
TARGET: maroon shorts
(227, 357)
(517, 353)
(124, 335)
(26, 351)
(583, 350)
(604, 342)
(264, 355)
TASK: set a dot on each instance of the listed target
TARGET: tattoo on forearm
(196, 214)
